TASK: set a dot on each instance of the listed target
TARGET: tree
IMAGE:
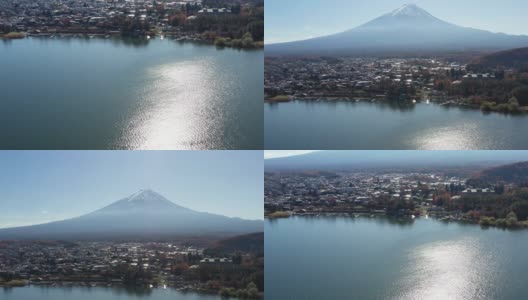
(177, 19)
(511, 219)
(256, 29)
(236, 9)
(521, 209)
(499, 189)
(252, 290)
(521, 94)
(237, 259)
(499, 75)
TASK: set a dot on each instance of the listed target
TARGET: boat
(148, 37)
(413, 216)
(165, 286)
(151, 286)
(162, 37)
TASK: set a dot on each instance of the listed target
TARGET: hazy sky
(288, 20)
(284, 153)
(41, 186)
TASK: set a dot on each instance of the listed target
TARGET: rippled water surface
(362, 258)
(343, 125)
(128, 94)
(89, 293)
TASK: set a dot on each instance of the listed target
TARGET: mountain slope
(512, 173)
(143, 215)
(515, 58)
(406, 29)
(346, 160)
(249, 243)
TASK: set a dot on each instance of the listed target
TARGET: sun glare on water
(448, 270)
(180, 108)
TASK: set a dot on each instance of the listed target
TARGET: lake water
(75, 93)
(90, 293)
(346, 125)
(349, 258)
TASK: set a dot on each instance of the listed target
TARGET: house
(215, 261)
(485, 191)
(214, 11)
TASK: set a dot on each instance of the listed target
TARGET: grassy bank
(509, 222)
(511, 107)
(280, 98)
(13, 283)
(278, 214)
(246, 42)
(13, 35)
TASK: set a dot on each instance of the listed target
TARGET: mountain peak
(411, 10)
(142, 215)
(145, 200)
(408, 29)
(145, 194)
(408, 16)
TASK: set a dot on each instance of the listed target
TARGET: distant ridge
(408, 29)
(372, 159)
(509, 59)
(516, 173)
(249, 243)
(142, 215)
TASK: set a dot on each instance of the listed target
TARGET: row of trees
(4, 28)
(400, 91)
(503, 93)
(227, 25)
(504, 209)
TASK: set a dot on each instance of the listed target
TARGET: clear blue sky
(41, 186)
(288, 20)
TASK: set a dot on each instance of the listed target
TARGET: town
(442, 80)
(373, 194)
(238, 24)
(124, 264)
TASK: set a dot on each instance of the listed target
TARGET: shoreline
(90, 284)
(484, 222)
(191, 37)
(449, 103)
(87, 284)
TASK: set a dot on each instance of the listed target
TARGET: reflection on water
(334, 125)
(112, 93)
(460, 136)
(178, 111)
(106, 293)
(459, 269)
(382, 258)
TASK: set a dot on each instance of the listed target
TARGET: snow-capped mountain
(408, 16)
(142, 215)
(410, 10)
(142, 201)
(406, 29)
